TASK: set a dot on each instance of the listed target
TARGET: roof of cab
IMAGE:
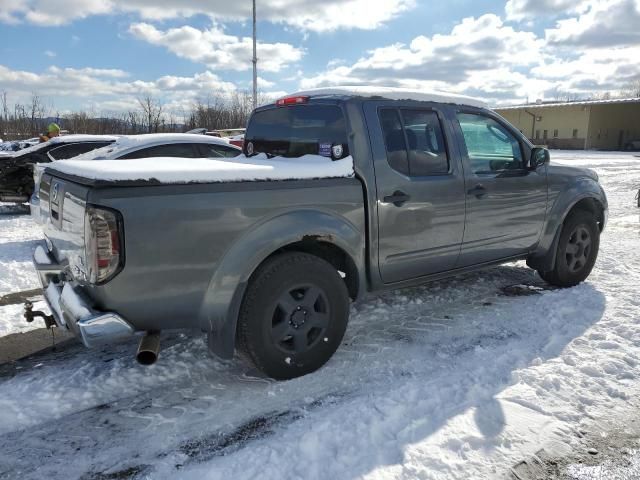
(391, 93)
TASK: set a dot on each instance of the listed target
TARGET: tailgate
(62, 207)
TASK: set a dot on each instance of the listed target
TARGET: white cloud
(328, 15)
(597, 70)
(50, 53)
(263, 83)
(475, 45)
(486, 58)
(104, 88)
(530, 9)
(605, 23)
(216, 49)
(51, 12)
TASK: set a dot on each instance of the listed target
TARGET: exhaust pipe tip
(148, 348)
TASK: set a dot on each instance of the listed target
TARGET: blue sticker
(324, 149)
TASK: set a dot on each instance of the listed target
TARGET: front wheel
(293, 316)
(577, 251)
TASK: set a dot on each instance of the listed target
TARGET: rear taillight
(103, 244)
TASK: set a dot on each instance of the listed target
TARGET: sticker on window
(324, 149)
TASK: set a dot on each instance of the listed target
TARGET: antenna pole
(255, 60)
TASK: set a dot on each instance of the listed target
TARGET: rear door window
(71, 150)
(293, 131)
(414, 142)
(427, 152)
(394, 140)
(184, 150)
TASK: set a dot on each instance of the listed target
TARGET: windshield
(298, 130)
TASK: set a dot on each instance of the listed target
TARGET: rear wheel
(293, 316)
(577, 250)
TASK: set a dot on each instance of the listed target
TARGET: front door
(506, 201)
(420, 191)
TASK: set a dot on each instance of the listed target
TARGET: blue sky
(103, 54)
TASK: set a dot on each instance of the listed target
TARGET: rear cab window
(296, 130)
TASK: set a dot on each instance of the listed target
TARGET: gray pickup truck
(266, 266)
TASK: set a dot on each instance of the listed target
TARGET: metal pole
(255, 60)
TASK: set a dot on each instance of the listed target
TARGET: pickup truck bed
(167, 282)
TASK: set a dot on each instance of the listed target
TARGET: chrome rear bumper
(71, 310)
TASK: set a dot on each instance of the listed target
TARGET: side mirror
(539, 157)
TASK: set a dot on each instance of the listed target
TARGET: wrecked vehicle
(340, 192)
(16, 168)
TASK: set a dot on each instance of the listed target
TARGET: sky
(101, 55)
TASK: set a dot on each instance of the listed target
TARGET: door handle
(398, 198)
(479, 191)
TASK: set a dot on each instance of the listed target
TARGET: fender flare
(544, 256)
(222, 300)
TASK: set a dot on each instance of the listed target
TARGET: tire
(577, 250)
(293, 316)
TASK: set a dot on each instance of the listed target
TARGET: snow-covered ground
(457, 379)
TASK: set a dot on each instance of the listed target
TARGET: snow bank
(12, 318)
(204, 170)
(394, 94)
(19, 236)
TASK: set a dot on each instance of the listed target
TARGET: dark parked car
(386, 188)
(16, 168)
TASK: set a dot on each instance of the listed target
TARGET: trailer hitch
(30, 315)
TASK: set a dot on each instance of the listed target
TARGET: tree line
(147, 115)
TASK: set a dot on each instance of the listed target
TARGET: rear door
(420, 190)
(506, 202)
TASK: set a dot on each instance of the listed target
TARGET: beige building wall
(565, 120)
(612, 127)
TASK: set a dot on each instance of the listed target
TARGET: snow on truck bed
(204, 170)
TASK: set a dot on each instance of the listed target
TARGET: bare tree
(37, 112)
(217, 111)
(632, 90)
(152, 112)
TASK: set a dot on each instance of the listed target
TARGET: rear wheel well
(332, 254)
(592, 206)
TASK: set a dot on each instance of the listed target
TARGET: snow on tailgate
(204, 170)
